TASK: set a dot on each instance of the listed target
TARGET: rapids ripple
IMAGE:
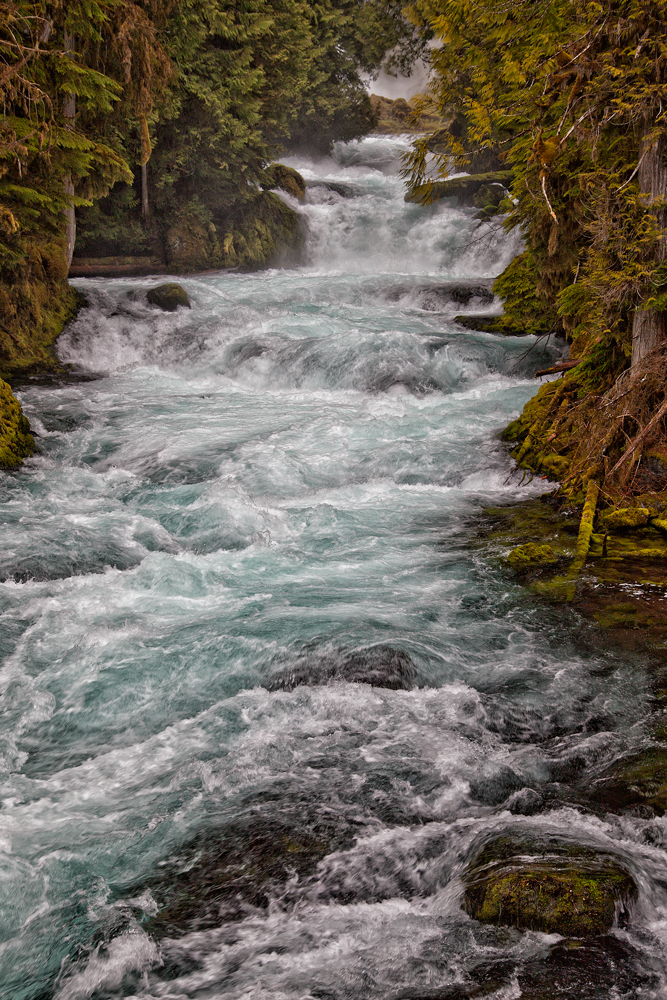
(201, 795)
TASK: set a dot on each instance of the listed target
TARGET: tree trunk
(69, 112)
(144, 191)
(649, 327)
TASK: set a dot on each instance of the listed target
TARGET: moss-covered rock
(531, 554)
(395, 116)
(285, 178)
(168, 296)
(476, 190)
(16, 441)
(547, 884)
(625, 517)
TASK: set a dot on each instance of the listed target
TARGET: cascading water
(271, 489)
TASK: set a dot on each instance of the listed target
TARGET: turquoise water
(285, 475)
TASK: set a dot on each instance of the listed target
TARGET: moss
(478, 190)
(530, 555)
(547, 884)
(585, 529)
(286, 178)
(625, 517)
(16, 441)
(168, 296)
(36, 302)
(625, 614)
(525, 310)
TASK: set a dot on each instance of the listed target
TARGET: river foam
(290, 473)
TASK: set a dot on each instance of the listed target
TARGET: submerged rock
(636, 783)
(168, 297)
(380, 666)
(532, 554)
(585, 970)
(223, 873)
(547, 884)
(16, 441)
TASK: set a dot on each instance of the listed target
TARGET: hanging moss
(16, 441)
(35, 303)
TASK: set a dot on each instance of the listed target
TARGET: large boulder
(168, 296)
(286, 178)
(549, 884)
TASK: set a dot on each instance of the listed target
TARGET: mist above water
(272, 485)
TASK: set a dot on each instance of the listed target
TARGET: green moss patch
(625, 517)
(547, 884)
(16, 441)
(524, 556)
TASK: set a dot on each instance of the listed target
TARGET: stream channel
(247, 508)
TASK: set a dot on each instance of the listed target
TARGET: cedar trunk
(69, 113)
(649, 327)
(144, 191)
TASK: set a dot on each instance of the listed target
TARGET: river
(274, 487)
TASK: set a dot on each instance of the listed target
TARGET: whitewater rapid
(287, 474)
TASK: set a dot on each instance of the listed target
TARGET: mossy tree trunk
(69, 111)
(649, 327)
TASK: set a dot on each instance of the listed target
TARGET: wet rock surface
(596, 969)
(548, 884)
(168, 297)
(380, 666)
(286, 179)
(222, 875)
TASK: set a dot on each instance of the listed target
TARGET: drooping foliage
(62, 65)
(157, 119)
(570, 94)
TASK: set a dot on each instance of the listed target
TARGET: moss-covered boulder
(624, 518)
(548, 884)
(532, 554)
(168, 297)
(16, 441)
(285, 178)
(477, 190)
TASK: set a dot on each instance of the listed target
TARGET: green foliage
(566, 93)
(526, 311)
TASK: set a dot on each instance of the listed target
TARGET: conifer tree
(571, 94)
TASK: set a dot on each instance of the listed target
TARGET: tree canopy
(571, 95)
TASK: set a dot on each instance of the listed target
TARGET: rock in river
(380, 666)
(168, 296)
(549, 884)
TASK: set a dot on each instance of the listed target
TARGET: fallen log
(560, 366)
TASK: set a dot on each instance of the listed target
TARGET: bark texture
(69, 111)
(649, 327)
